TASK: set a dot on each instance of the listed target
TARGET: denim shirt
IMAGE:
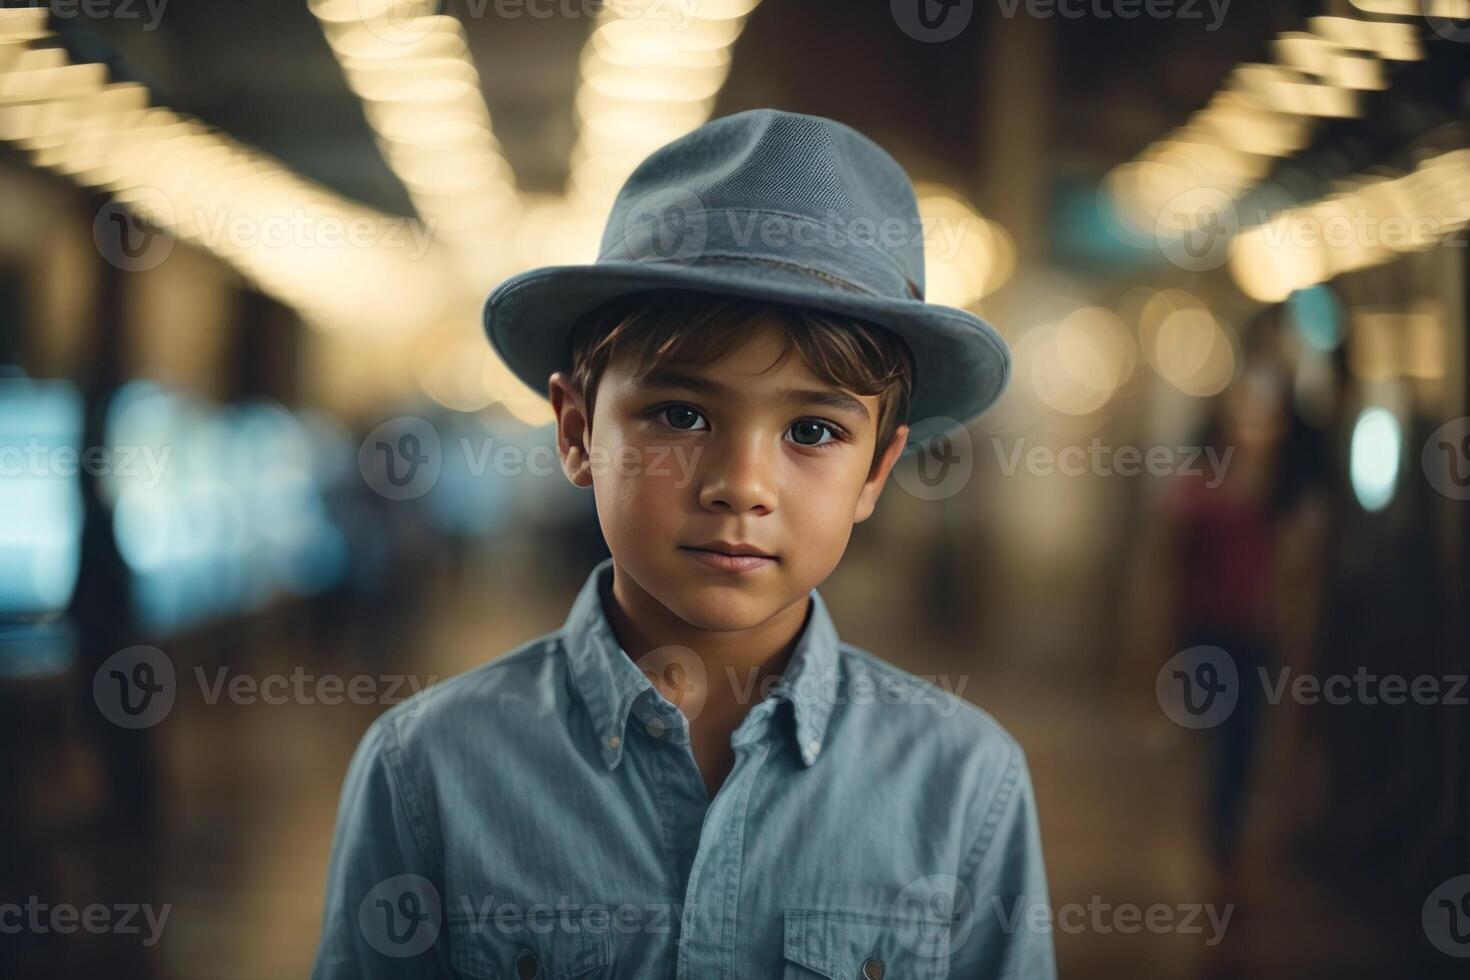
(543, 816)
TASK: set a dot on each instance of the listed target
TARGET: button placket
(714, 878)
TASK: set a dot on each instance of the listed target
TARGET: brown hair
(667, 327)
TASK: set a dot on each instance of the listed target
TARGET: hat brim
(962, 364)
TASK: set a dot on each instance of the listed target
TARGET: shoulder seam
(402, 788)
(1003, 795)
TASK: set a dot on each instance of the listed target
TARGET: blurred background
(243, 248)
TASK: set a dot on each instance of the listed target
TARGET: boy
(694, 777)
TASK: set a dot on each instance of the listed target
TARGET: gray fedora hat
(769, 205)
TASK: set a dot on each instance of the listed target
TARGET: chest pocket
(864, 946)
(516, 947)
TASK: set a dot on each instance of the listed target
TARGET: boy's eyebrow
(830, 397)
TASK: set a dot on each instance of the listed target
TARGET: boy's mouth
(730, 556)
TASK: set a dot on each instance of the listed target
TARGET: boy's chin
(723, 605)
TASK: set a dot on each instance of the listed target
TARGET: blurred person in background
(1232, 543)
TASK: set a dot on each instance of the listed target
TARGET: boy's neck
(728, 690)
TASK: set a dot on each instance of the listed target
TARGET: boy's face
(745, 451)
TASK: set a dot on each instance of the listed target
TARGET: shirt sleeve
(383, 916)
(1003, 923)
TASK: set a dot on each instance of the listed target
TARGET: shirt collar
(609, 682)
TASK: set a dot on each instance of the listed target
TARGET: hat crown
(767, 186)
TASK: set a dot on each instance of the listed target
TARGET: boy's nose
(739, 476)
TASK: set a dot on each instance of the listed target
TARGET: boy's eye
(681, 417)
(804, 432)
(808, 432)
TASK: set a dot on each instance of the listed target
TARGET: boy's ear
(573, 429)
(878, 475)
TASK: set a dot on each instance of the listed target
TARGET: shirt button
(526, 966)
(614, 742)
(873, 969)
(812, 747)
